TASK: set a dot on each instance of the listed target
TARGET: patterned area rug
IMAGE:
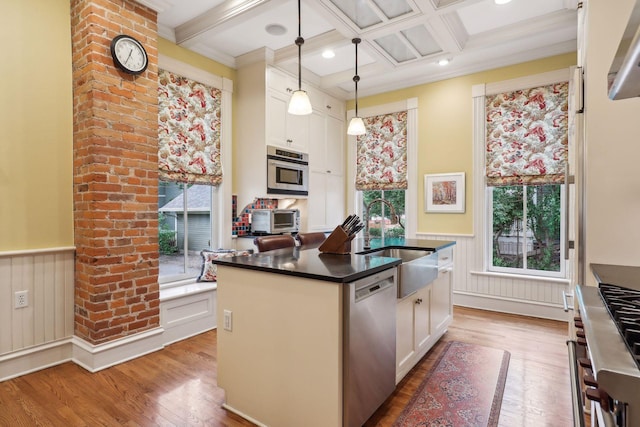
(463, 389)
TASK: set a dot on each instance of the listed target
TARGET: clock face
(129, 54)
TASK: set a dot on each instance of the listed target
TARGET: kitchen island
(281, 330)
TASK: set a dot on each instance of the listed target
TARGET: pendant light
(356, 125)
(299, 103)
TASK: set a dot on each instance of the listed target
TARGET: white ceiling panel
(402, 39)
(486, 15)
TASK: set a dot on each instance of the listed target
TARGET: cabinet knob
(328, 171)
(328, 107)
(419, 301)
(289, 90)
(289, 141)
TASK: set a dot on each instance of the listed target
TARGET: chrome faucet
(394, 220)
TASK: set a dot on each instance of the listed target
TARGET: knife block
(337, 243)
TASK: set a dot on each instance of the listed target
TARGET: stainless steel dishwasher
(369, 365)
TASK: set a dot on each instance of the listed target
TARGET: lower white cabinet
(441, 301)
(423, 317)
(413, 330)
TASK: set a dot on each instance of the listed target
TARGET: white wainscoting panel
(47, 275)
(524, 295)
(39, 335)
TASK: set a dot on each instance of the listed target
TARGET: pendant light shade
(299, 103)
(356, 125)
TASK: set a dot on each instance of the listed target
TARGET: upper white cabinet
(284, 129)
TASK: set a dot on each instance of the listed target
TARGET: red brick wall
(115, 173)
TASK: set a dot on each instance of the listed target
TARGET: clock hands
(128, 57)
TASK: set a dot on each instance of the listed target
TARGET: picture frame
(444, 192)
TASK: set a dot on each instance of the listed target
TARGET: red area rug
(463, 389)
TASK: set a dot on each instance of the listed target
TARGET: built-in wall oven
(287, 172)
(605, 353)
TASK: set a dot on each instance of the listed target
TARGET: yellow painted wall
(169, 48)
(445, 131)
(36, 118)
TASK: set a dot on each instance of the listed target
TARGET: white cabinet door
(317, 142)
(326, 163)
(334, 200)
(413, 323)
(334, 147)
(442, 307)
(316, 202)
(284, 129)
(422, 307)
(405, 336)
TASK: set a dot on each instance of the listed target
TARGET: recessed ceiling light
(275, 29)
(328, 54)
(501, 1)
(443, 62)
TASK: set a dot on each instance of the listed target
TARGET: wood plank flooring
(177, 385)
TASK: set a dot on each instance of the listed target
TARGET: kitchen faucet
(394, 220)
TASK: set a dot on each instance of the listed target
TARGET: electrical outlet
(228, 320)
(21, 299)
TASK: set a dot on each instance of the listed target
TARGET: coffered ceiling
(402, 40)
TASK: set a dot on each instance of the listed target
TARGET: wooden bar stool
(269, 243)
(310, 238)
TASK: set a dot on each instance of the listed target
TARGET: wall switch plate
(21, 299)
(228, 320)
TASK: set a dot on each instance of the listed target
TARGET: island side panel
(281, 364)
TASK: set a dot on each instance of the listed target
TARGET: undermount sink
(419, 267)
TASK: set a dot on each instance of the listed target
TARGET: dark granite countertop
(308, 262)
(619, 275)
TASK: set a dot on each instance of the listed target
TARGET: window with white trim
(386, 166)
(522, 136)
(190, 162)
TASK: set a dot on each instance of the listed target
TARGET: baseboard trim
(35, 358)
(510, 306)
(243, 415)
(94, 358)
(185, 312)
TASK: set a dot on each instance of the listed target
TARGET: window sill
(557, 280)
(182, 289)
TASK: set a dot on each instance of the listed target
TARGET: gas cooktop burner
(624, 307)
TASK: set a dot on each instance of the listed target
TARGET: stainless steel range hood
(624, 74)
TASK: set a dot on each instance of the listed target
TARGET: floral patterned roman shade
(188, 130)
(527, 136)
(381, 162)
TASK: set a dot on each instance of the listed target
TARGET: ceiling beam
(221, 17)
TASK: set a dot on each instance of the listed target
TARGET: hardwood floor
(177, 385)
(537, 392)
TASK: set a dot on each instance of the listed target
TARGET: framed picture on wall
(444, 193)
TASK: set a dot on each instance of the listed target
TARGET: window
(194, 146)
(385, 165)
(184, 232)
(522, 137)
(525, 225)
(381, 214)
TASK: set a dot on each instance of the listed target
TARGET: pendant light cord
(299, 43)
(356, 78)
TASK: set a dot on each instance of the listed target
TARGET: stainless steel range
(608, 338)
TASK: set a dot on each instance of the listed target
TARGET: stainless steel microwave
(273, 221)
(287, 172)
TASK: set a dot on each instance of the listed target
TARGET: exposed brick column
(115, 166)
